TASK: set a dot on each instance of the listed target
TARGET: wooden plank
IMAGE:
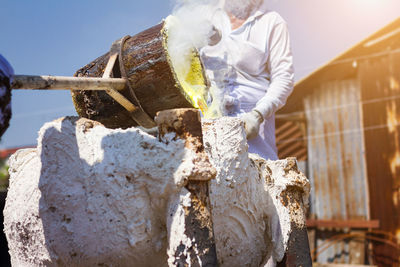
(379, 78)
(312, 238)
(355, 224)
(357, 249)
(340, 265)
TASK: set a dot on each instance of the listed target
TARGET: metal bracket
(116, 69)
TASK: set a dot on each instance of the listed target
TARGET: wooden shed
(343, 121)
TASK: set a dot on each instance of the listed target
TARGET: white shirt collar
(261, 10)
(256, 14)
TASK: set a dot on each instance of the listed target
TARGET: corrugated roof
(290, 141)
(342, 65)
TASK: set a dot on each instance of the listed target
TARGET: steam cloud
(192, 27)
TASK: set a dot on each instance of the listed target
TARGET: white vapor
(190, 27)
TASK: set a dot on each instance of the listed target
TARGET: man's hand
(252, 121)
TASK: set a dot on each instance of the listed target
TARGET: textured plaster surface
(92, 196)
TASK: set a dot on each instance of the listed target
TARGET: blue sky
(48, 37)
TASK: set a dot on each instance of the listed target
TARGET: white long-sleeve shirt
(254, 65)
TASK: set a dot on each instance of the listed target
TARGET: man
(6, 74)
(253, 65)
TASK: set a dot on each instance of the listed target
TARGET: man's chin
(241, 9)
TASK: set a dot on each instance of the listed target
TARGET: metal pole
(67, 83)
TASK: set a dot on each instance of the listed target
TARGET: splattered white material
(176, 224)
(89, 196)
(88, 193)
(281, 176)
(238, 197)
(246, 197)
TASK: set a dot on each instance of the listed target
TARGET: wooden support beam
(354, 224)
(340, 265)
(295, 116)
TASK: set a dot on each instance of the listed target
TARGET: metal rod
(30, 82)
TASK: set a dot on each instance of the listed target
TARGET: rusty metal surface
(380, 83)
(336, 163)
(290, 140)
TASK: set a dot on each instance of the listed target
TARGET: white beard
(241, 8)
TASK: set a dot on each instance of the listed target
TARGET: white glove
(252, 121)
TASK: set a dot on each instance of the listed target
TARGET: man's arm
(280, 66)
